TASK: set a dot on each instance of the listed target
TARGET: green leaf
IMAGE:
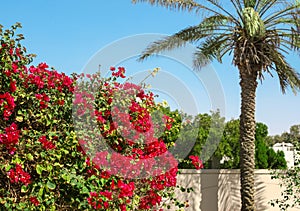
(58, 156)
(29, 156)
(49, 168)
(43, 154)
(39, 169)
(41, 191)
(51, 185)
(19, 119)
(24, 189)
(74, 182)
(85, 190)
(16, 160)
(8, 167)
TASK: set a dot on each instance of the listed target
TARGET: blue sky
(66, 34)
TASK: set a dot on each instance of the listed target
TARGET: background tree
(203, 135)
(228, 149)
(231, 141)
(258, 33)
(293, 136)
(261, 148)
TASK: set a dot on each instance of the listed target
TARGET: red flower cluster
(8, 106)
(13, 86)
(120, 73)
(196, 161)
(44, 99)
(97, 202)
(150, 200)
(125, 189)
(10, 137)
(44, 78)
(83, 101)
(46, 144)
(168, 121)
(18, 175)
(34, 201)
(121, 191)
(14, 69)
(164, 180)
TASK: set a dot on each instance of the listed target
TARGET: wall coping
(222, 171)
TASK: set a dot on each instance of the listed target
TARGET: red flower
(18, 175)
(125, 189)
(61, 102)
(46, 144)
(10, 137)
(34, 201)
(105, 175)
(13, 87)
(107, 194)
(123, 207)
(9, 106)
(43, 105)
(196, 161)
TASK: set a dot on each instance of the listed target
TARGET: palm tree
(258, 34)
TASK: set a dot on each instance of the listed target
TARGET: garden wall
(219, 190)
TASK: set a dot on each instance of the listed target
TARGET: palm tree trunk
(248, 83)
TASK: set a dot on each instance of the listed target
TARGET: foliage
(265, 156)
(228, 149)
(293, 136)
(46, 163)
(207, 131)
(232, 146)
(261, 156)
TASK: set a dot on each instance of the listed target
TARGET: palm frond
(291, 38)
(238, 7)
(181, 5)
(287, 11)
(190, 34)
(211, 48)
(263, 6)
(220, 7)
(288, 77)
(188, 5)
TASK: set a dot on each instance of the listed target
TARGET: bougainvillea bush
(51, 156)
(40, 167)
(130, 149)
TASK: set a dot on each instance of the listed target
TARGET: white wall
(219, 190)
(289, 152)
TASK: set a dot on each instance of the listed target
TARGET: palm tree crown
(259, 33)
